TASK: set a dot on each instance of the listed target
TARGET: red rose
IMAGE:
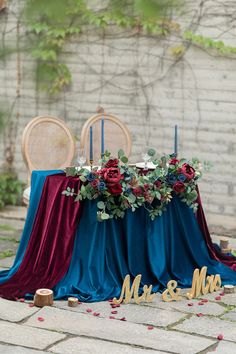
(188, 171)
(137, 191)
(158, 184)
(146, 186)
(114, 188)
(112, 175)
(179, 187)
(94, 183)
(112, 163)
(174, 161)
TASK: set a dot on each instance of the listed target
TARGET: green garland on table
(119, 186)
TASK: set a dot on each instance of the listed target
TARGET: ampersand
(169, 294)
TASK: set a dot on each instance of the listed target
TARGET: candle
(176, 140)
(91, 144)
(102, 137)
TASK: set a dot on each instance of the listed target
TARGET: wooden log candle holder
(43, 297)
(228, 289)
(224, 243)
(72, 301)
(226, 250)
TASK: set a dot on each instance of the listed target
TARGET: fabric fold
(50, 246)
(230, 261)
(69, 251)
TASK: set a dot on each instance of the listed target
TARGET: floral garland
(119, 186)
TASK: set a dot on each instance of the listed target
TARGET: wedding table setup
(87, 228)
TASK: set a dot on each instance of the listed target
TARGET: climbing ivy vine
(51, 24)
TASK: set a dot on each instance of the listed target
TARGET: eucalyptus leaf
(78, 198)
(101, 205)
(158, 195)
(124, 159)
(83, 178)
(121, 153)
(105, 216)
(151, 152)
(131, 198)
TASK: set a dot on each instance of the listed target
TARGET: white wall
(138, 79)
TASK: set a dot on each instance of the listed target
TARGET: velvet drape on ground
(48, 253)
(230, 261)
(70, 251)
(37, 183)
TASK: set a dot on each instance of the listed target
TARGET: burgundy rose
(112, 175)
(94, 183)
(146, 186)
(114, 188)
(174, 161)
(157, 184)
(101, 171)
(137, 191)
(112, 163)
(179, 187)
(188, 171)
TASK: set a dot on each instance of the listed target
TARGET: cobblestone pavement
(156, 327)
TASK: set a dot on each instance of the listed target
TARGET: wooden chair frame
(26, 135)
(110, 117)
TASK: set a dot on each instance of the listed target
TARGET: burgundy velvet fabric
(50, 247)
(229, 261)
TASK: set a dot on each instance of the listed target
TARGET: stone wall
(137, 78)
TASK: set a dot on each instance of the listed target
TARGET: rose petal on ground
(41, 319)
(200, 314)
(150, 328)
(220, 336)
(112, 317)
(204, 300)
(218, 298)
(118, 305)
(114, 312)
(201, 303)
(31, 305)
(123, 319)
(96, 313)
(190, 304)
(89, 310)
(110, 300)
(22, 300)
(222, 294)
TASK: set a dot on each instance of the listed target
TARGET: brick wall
(138, 79)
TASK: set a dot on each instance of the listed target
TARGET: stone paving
(155, 327)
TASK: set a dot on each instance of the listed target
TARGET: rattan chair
(116, 136)
(47, 144)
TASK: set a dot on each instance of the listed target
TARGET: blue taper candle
(176, 140)
(91, 144)
(102, 137)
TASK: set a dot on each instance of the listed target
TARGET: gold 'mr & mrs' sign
(201, 285)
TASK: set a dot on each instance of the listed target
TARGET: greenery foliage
(206, 42)
(11, 190)
(52, 23)
(119, 187)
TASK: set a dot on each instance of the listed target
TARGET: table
(64, 247)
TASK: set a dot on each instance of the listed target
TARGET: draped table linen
(65, 248)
